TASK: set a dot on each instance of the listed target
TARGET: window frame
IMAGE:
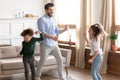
(115, 27)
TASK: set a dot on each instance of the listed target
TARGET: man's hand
(66, 27)
(55, 38)
(63, 30)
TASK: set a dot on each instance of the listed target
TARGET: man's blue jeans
(95, 67)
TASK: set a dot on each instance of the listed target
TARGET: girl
(95, 32)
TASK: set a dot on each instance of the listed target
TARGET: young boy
(27, 51)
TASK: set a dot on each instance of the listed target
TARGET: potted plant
(113, 38)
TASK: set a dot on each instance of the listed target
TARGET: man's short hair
(46, 7)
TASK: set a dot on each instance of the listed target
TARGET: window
(117, 9)
(118, 40)
(117, 20)
(69, 34)
(66, 13)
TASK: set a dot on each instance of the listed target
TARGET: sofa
(10, 64)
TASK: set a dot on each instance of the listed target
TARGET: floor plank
(74, 74)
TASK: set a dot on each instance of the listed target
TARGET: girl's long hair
(99, 31)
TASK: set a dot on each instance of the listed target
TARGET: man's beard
(50, 15)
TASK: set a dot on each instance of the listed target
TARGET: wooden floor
(74, 74)
(84, 74)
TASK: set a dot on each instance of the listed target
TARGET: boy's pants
(29, 62)
(45, 51)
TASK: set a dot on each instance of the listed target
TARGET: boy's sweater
(28, 47)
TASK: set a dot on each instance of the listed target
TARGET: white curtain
(80, 29)
(106, 20)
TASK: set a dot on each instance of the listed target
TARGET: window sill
(4, 45)
(112, 51)
(66, 42)
(87, 47)
(61, 44)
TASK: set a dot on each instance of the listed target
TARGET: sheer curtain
(80, 29)
(82, 21)
(106, 20)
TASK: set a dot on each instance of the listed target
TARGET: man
(49, 46)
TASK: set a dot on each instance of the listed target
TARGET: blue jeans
(95, 67)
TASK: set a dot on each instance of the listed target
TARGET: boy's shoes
(38, 78)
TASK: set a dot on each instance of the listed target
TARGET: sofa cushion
(1, 54)
(16, 63)
(12, 64)
(50, 60)
(9, 52)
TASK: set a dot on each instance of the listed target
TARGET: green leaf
(113, 37)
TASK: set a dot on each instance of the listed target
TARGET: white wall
(8, 8)
(10, 30)
(96, 10)
(11, 27)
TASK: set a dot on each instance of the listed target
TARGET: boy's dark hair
(46, 7)
(28, 31)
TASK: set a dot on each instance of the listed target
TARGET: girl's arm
(86, 38)
(93, 57)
